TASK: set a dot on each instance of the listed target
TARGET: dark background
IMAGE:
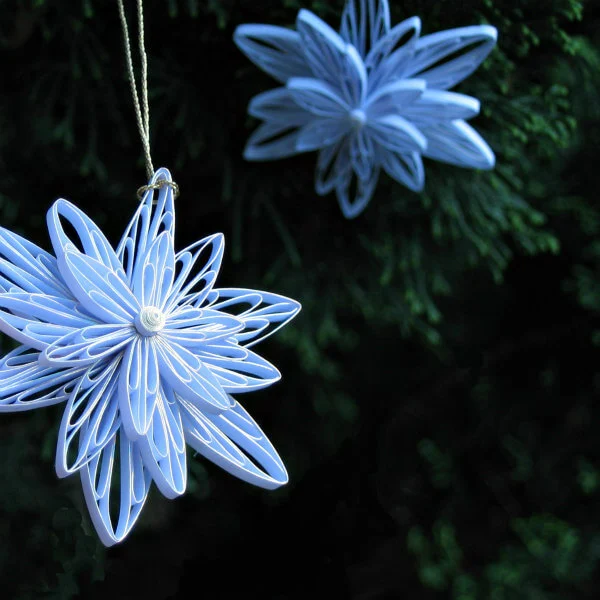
(438, 409)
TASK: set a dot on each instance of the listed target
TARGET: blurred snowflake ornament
(144, 350)
(369, 98)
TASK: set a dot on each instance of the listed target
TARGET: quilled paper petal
(163, 447)
(89, 237)
(197, 268)
(364, 23)
(154, 272)
(332, 60)
(90, 419)
(276, 50)
(195, 328)
(389, 44)
(272, 141)
(278, 106)
(397, 134)
(139, 385)
(155, 215)
(38, 320)
(86, 346)
(101, 291)
(352, 206)
(128, 491)
(444, 105)
(25, 384)
(189, 377)
(405, 168)
(237, 375)
(236, 443)
(456, 52)
(24, 267)
(457, 143)
(263, 313)
(318, 98)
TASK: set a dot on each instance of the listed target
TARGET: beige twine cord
(142, 109)
(157, 186)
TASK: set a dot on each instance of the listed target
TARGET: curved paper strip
(457, 143)
(86, 346)
(336, 63)
(139, 383)
(263, 313)
(474, 44)
(235, 373)
(189, 287)
(321, 133)
(236, 443)
(352, 207)
(438, 105)
(103, 292)
(275, 50)
(189, 377)
(390, 62)
(100, 491)
(397, 134)
(94, 243)
(272, 141)
(26, 267)
(25, 384)
(278, 106)
(394, 98)
(90, 419)
(195, 328)
(318, 98)
(364, 23)
(405, 168)
(163, 448)
(388, 44)
(362, 154)
(154, 272)
(332, 166)
(155, 215)
(38, 320)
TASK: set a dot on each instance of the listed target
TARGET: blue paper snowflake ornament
(369, 98)
(144, 350)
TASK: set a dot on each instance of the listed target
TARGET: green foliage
(547, 558)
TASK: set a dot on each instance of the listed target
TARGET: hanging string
(143, 118)
(142, 109)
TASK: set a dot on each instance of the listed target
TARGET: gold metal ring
(157, 186)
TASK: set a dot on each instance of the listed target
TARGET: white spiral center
(358, 117)
(150, 320)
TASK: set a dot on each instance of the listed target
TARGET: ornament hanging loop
(157, 186)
